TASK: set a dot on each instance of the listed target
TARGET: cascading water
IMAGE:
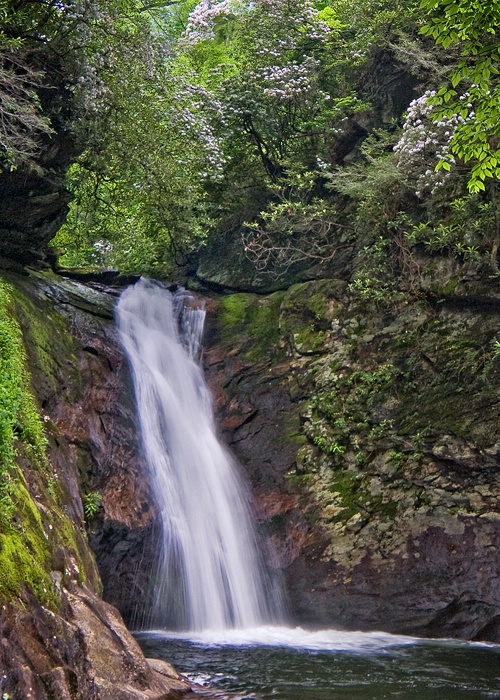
(211, 590)
(209, 575)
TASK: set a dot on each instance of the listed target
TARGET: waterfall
(209, 574)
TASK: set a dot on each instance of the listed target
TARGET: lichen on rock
(384, 429)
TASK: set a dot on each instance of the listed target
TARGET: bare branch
(22, 124)
(276, 249)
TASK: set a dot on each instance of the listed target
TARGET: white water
(293, 638)
(209, 582)
(209, 576)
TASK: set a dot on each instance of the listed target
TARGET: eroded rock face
(78, 646)
(84, 652)
(371, 441)
(86, 393)
(34, 203)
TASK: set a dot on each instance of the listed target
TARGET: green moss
(345, 487)
(31, 530)
(234, 310)
(386, 510)
(253, 321)
(25, 553)
(291, 428)
(307, 311)
(50, 342)
(19, 416)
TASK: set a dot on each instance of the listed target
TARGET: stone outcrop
(84, 652)
(87, 397)
(34, 204)
(372, 444)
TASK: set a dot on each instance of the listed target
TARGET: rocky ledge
(84, 652)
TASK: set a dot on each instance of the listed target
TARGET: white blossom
(426, 141)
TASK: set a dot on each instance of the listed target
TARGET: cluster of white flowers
(302, 16)
(102, 53)
(426, 141)
(101, 250)
(72, 11)
(201, 21)
(288, 81)
(91, 25)
(301, 13)
(198, 115)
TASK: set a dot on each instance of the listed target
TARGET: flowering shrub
(202, 20)
(470, 28)
(306, 20)
(423, 150)
(92, 53)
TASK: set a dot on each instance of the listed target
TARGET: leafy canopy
(471, 28)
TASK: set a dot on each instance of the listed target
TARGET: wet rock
(374, 460)
(83, 652)
(82, 649)
(89, 401)
(374, 476)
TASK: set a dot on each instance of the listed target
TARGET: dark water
(360, 668)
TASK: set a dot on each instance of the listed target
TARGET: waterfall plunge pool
(277, 663)
(209, 569)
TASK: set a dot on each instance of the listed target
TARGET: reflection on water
(280, 664)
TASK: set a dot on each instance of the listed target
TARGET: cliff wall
(371, 438)
(68, 442)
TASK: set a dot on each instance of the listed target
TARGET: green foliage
(348, 410)
(329, 447)
(375, 279)
(197, 119)
(283, 74)
(19, 417)
(91, 502)
(472, 28)
(147, 151)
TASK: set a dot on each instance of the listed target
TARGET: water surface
(280, 664)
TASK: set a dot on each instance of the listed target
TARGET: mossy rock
(307, 313)
(251, 322)
(34, 525)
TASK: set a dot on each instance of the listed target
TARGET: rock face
(65, 642)
(372, 444)
(370, 441)
(34, 204)
(84, 652)
(88, 400)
